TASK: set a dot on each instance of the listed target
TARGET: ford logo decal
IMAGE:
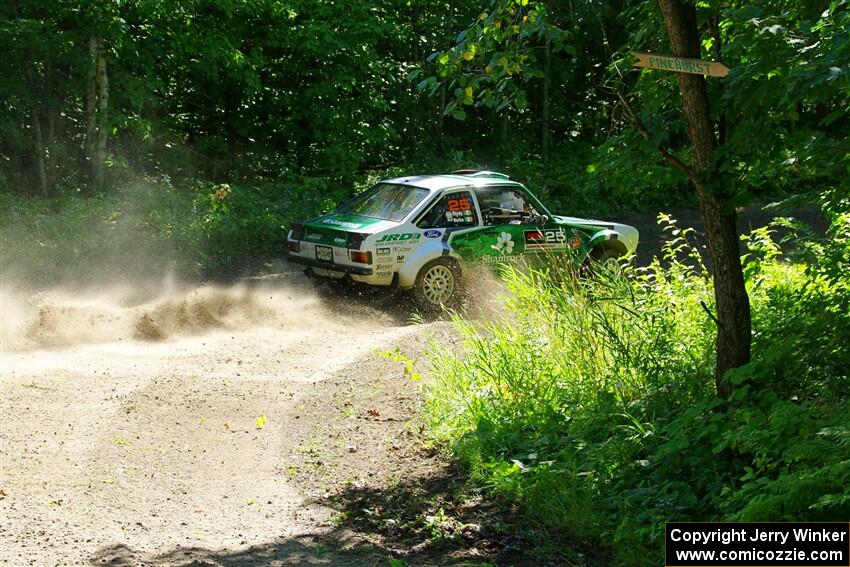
(432, 234)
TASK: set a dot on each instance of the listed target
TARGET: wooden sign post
(680, 64)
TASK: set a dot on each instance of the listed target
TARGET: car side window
(451, 210)
(504, 205)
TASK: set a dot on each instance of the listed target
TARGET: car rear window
(387, 201)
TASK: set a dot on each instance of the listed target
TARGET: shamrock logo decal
(504, 244)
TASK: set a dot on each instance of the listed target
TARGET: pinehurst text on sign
(680, 64)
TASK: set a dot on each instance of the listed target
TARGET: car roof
(450, 180)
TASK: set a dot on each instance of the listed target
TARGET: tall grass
(591, 403)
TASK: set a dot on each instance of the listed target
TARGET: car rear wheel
(437, 285)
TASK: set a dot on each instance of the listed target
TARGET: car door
(451, 216)
(513, 227)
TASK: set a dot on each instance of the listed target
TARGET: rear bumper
(357, 270)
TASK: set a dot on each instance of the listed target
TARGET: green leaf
(467, 95)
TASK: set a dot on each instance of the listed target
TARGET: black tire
(438, 285)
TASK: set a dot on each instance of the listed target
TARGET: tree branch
(709, 313)
(638, 124)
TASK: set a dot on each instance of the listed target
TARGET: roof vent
(480, 173)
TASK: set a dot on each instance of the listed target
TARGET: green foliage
(203, 229)
(780, 114)
(236, 224)
(604, 180)
(263, 92)
(81, 240)
(407, 364)
(494, 57)
(220, 90)
(592, 406)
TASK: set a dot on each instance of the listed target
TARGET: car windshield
(386, 201)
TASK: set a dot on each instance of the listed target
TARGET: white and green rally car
(423, 232)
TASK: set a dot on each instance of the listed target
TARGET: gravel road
(172, 432)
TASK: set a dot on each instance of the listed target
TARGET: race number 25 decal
(549, 239)
(459, 211)
(460, 205)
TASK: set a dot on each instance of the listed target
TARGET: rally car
(424, 233)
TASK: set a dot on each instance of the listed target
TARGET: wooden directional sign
(680, 64)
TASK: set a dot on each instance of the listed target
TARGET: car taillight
(355, 239)
(297, 231)
(294, 246)
(361, 257)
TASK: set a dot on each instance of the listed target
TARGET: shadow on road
(421, 521)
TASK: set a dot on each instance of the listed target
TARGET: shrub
(591, 404)
(148, 228)
(88, 239)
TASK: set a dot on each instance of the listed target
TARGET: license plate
(324, 253)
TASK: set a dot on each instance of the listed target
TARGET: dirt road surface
(208, 427)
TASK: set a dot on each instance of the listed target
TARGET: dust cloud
(484, 293)
(60, 317)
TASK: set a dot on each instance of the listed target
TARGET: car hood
(628, 234)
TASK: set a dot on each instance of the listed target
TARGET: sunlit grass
(591, 402)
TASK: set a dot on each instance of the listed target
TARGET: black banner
(757, 544)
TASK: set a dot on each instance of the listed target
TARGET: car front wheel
(437, 285)
(599, 260)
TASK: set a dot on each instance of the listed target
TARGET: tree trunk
(91, 111)
(36, 89)
(547, 79)
(730, 294)
(102, 115)
(717, 48)
(40, 169)
(415, 28)
(50, 104)
(441, 120)
(503, 136)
